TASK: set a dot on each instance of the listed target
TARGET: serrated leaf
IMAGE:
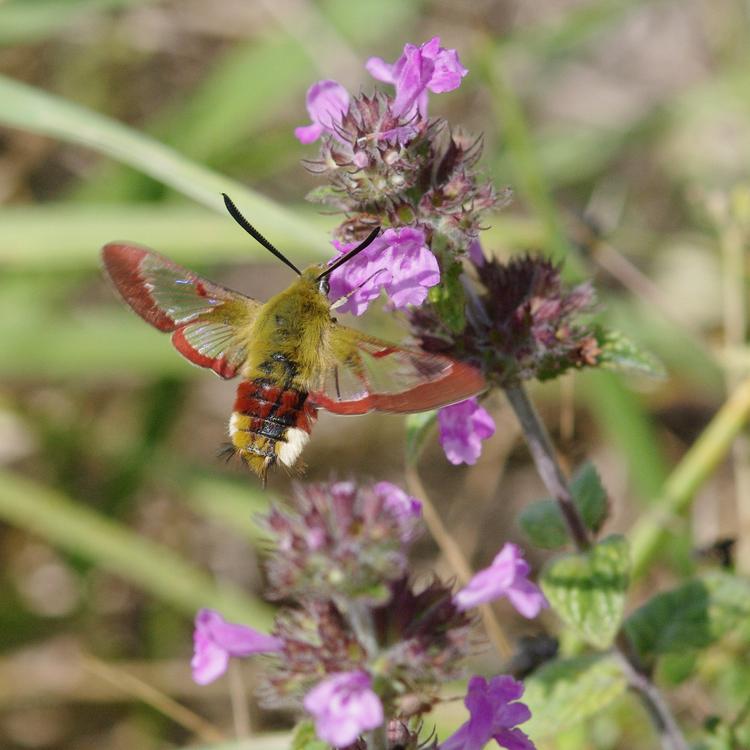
(692, 616)
(418, 428)
(590, 496)
(304, 738)
(565, 692)
(587, 589)
(543, 523)
(618, 352)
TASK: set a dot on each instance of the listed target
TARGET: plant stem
(661, 717)
(456, 560)
(552, 475)
(132, 685)
(546, 463)
(649, 531)
(733, 238)
(359, 615)
(238, 698)
(360, 618)
(378, 738)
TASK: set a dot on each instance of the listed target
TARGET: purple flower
(407, 510)
(476, 254)
(493, 714)
(507, 576)
(215, 640)
(463, 426)
(327, 102)
(428, 67)
(398, 262)
(344, 706)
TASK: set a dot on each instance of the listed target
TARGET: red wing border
(204, 318)
(373, 375)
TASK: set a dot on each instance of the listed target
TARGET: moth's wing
(206, 320)
(371, 374)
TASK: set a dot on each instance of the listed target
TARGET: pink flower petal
(379, 69)
(428, 67)
(215, 640)
(344, 706)
(407, 510)
(476, 254)
(308, 133)
(507, 576)
(327, 102)
(209, 661)
(492, 714)
(398, 262)
(412, 80)
(463, 426)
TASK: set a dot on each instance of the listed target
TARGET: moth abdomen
(270, 423)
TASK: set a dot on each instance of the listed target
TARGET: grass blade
(150, 566)
(28, 108)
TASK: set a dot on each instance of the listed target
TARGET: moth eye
(323, 286)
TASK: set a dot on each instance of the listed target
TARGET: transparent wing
(370, 374)
(205, 319)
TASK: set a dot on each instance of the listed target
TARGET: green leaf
(449, 298)
(565, 692)
(590, 496)
(692, 616)
(618, 352)
(304, 738)
(418, 427)
(674, 669)
(587, 589)
(543, 523)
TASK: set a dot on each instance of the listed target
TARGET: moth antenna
(362, 245)
(234, 212)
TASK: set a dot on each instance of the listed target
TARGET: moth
(292, 356)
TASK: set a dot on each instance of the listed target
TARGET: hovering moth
(292, 356)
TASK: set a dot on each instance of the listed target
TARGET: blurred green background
(118, 519)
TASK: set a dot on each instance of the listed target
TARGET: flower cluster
(341, 539)
(357, 645)
(520, 325)
(387, 164)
